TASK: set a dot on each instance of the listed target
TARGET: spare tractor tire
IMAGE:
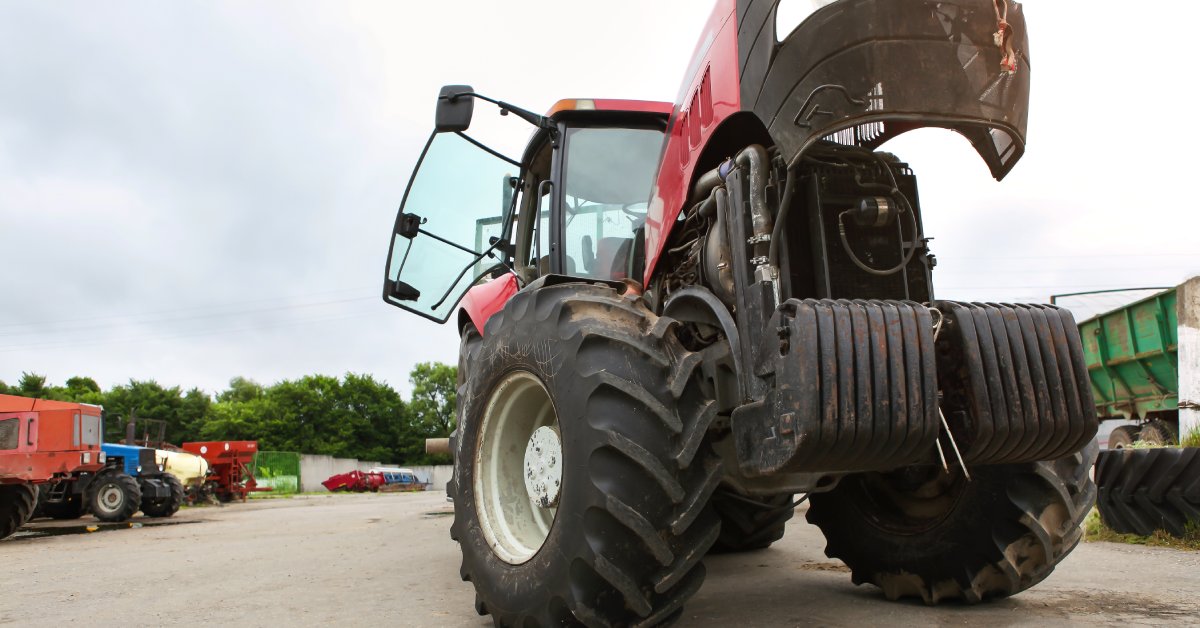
(113, 496)
(922, 532)
(749, 523)
(1122, 436)
(607, 407)
(16, 506)
(1145, 490)
(168, 506)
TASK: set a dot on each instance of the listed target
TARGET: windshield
(459, 192)
(609, 176)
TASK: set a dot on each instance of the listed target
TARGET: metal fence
(279, 470)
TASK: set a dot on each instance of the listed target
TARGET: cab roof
(13, 403)
(609, 105)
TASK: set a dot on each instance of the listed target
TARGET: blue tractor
(132, 480)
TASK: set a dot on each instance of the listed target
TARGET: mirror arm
(542, 122)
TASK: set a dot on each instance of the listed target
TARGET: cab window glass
(458, 191)
(91, 430)
(9, 429)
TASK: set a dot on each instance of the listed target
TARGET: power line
(150, 320)
(189, 309)
(218, 331)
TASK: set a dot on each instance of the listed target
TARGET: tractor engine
(854, 230)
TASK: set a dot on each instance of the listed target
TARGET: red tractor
(43, 441)
(678, 317)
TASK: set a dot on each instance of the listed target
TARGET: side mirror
(454, 113)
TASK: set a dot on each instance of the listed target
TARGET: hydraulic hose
(754, 157)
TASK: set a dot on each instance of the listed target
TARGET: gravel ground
(372, 560)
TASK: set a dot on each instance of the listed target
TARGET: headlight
(160, 468)
(102, 458)
(86, 458)
(139, 468)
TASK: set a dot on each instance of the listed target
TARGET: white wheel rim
(513, 524)
(111, 498)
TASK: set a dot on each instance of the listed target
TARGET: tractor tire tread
(1035, 521)
(749, 524)
(1146, 490)
(17, 502)
(636, 557)
(129, 486)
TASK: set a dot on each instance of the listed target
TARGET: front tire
(168, 506)
(16, 506)
(113, 497)
(748, 523)
(620, 543)
(920, 532)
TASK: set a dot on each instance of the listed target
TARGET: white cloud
(170, 170)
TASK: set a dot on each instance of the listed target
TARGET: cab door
(453, 226)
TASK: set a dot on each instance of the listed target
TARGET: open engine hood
(861, 72)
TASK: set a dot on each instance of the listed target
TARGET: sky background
(192, 191)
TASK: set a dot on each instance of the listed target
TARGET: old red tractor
(43, 441)
(677, 317)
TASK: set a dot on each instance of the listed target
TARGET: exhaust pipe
(437, 446)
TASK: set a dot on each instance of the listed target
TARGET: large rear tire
(113, 496)
(168, 506)
(16, 506)
(749, 523)
(579, 367)
(921, 532)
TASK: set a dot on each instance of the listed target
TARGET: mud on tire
(16, 506)
(633, 519)
(996, 535)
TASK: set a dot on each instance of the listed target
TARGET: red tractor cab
(43, 441)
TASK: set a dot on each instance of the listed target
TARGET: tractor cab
(575, 203)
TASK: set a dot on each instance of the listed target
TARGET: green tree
(241, 389)
(32, 385)
(433, 398)
(379, 416)
(145, 399)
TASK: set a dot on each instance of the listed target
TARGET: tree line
(355, 416)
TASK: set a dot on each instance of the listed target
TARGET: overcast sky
(191, 191)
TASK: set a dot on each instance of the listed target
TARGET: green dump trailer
(1132, 355)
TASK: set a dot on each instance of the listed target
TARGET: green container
(1132, 357)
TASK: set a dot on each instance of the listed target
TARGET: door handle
(29, 432)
